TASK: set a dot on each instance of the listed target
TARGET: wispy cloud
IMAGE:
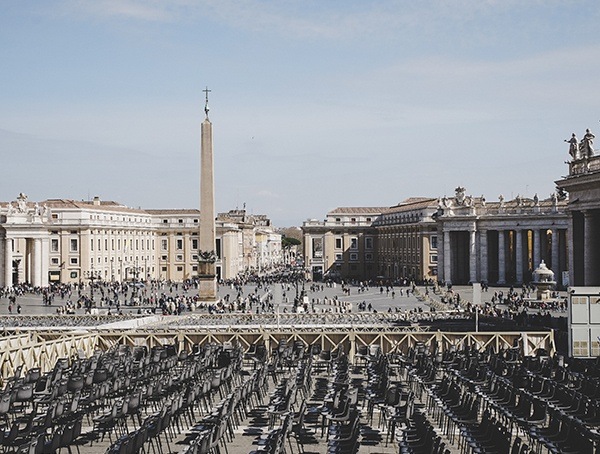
(436, 82)
(307, 19)
(142, 10)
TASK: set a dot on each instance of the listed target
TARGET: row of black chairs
(531, 397)
(111, 390)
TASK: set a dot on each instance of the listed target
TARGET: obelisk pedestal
(206, 254)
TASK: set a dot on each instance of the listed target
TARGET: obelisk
(206, 254)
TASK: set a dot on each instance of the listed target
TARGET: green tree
(287, 242)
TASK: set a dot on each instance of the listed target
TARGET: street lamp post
(93, 276)
(136, 273)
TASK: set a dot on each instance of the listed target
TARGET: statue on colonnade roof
(22, 203)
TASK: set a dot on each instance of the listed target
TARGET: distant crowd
(253, 293)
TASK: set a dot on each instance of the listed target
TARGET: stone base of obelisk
(207, 289)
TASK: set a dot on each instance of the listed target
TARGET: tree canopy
(288, 242)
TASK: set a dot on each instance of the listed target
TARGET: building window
(74, 245)
(195, 268)
(54, 260)
(165, 221)
(434, 242)
(354, 256)
(164, 245)
(54, 245)
(179, 244)
(338, 219)
(369, 256)
(194, 244)
(180, 268)
(369, 242)
(317, 247)
(353, 220)
(434, 258)
(164, 269)
(74, 261)
(339, 257)
(353, 243)
(179, 257)
(338, 243)
(163, 257)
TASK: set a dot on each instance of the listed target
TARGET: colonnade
(585, 259)
(24, 259)
(501, 255)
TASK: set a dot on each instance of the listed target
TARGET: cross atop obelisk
(206, 109)
(207, 243)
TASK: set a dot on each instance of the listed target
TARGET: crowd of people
(254, 293)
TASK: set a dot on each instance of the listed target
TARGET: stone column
(45, 261)
(519, 255)
(36, 263)
(8, 278)
(447, 258)
(537, 253)
(571, 253)
(555, 256)
(2, 264)
(589, 244)
(501, 258)
(28, 259)
(473, 255)
(483, 256)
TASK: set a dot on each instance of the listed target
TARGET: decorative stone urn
(543, 279)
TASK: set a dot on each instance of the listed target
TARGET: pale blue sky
(314, 104)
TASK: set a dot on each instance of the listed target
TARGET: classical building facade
(583, 186)
(260, 246)
(457, 240)
(344, 245)
(61, 240)
(500, 242)
(407, 240)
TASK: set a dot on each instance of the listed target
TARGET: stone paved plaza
(381, 302)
